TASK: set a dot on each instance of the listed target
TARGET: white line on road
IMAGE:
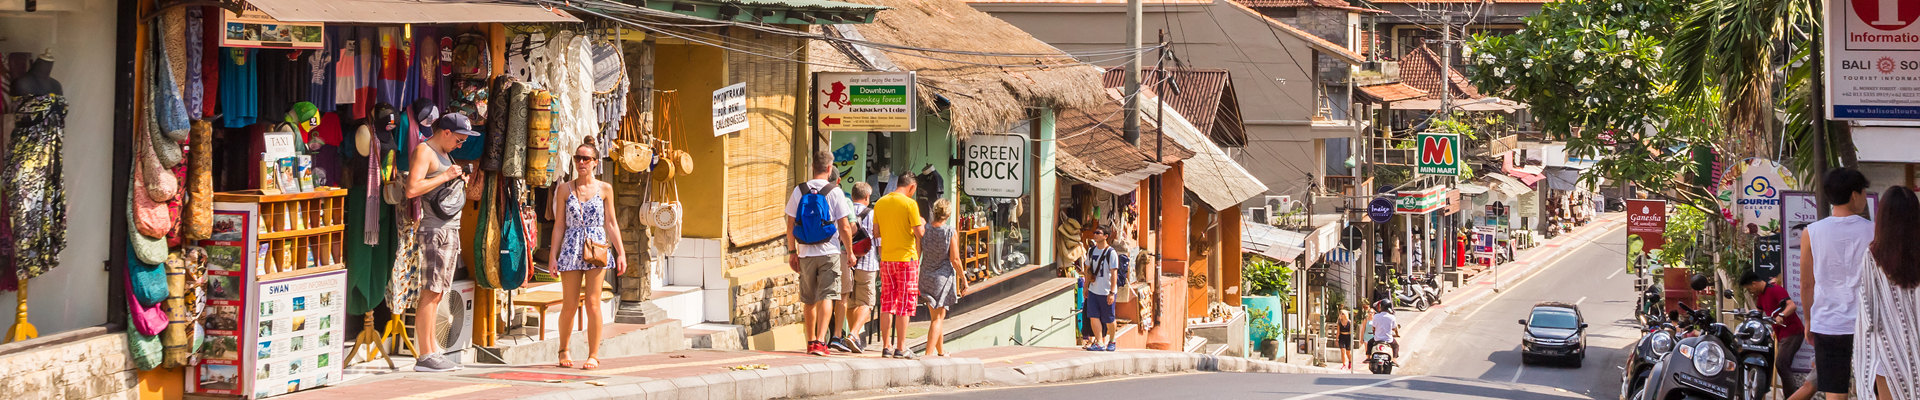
(1516, 373)
(1355, 388)
(1582, 299)
(1535, 272)
(1614, 274)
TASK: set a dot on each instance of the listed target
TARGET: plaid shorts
(899, 286)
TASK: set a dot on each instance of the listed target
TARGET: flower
(1628, 63)
(1579, 55)
(1622, 34)
(1644, 24)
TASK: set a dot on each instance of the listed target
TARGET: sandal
(591, 364)
(565, 362)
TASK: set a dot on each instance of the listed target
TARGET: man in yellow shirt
(897, 218)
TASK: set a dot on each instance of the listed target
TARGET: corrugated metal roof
(806, 4)
(1205, 96)
(1391, 92)
(1272, 242)
(408, 11)
(1421, 69)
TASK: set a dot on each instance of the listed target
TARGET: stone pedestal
(639, 312)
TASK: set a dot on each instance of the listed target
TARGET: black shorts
(1833, 362)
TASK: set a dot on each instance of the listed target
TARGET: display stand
(21, 329)
(975, 262)
(276, 294)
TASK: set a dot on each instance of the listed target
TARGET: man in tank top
(1834, 248)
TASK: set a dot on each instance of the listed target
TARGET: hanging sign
(730, 109)
(1753, 187)
(1872, 59)
(1380, 210)
(1646, 230)
(996, 166)
(252, 28)
(1439, 154)
(1422, 201)
(866, 101)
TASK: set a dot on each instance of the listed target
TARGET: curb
(791, 381)
(1130, 363)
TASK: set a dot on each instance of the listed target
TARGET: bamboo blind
(760, 158)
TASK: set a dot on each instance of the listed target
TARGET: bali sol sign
(1871, 61)
(1646, 230)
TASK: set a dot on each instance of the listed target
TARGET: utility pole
(1446, 66)
(1819, 106)
(1132, 127)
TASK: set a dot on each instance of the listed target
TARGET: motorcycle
(1649, 308)
(1755, 352)
(1380, 359)
(1408, 295)
(1428, 286)
(1699, 367)
(1656, 340)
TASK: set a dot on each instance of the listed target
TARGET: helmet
(1700, 282)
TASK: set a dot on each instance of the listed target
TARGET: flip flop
(591, 364)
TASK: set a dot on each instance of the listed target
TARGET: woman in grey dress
(939, 267)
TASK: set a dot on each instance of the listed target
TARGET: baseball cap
(457, 123)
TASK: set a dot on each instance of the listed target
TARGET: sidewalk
(1527, 263)
(756, 375)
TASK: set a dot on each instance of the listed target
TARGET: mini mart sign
(866, 101)
(1439, 154)
(1422, 201)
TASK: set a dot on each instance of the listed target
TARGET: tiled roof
(1461, 1)
(1322, 44)
(1391, 92)
(1338, 4)
(1095, 148)
(1205, 97)
(1421, 69)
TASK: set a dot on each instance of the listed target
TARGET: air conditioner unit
(453, 326)
(1259, 214)
(1280, 205)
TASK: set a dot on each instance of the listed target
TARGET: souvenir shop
(269, 219)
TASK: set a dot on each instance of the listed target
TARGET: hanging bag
(540, 134)
(513, 161)
(198, 222)
(514, 237)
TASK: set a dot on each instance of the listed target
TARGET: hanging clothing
(35, 188)
(239, 87)
(370, 251)
(195, 53)
(320, 74)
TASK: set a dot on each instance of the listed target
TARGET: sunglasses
(582, 158)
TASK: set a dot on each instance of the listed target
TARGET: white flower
(1500, 71)
(1526, 63)
(1579, 55)
(1644, 24)
(1628, 63)
(1622, 34)
(1587, 81)
(1616, 6)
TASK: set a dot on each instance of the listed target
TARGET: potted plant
(1266, 333)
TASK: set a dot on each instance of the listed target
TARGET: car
(1554, 330)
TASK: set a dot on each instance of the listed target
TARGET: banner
(1871, 59)
(253, 28)
(1439, 154)
(1646, 231)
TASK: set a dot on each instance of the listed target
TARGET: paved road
(1227, 385)
(1481, 340)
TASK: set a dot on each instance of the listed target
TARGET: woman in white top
(1889, 321)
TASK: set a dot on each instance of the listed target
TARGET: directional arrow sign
(830, 120)
(866, 101)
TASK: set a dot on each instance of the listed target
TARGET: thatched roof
(980, 98)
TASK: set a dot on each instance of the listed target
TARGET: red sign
(1646, 229)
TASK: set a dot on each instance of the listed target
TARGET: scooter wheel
(1421, 305)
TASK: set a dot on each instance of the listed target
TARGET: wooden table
(543, 300)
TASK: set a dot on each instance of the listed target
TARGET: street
(1480, 340)
(1222, 386)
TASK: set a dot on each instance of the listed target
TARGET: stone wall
(85, 364)
(1329, 24)
(767, 303)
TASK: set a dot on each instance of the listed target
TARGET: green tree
(1729, 46)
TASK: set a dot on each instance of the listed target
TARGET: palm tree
(1731, 44)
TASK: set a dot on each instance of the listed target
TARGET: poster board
(265, 337)
(252, 28)
(1873, 59)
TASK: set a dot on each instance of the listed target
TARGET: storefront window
(997, 233)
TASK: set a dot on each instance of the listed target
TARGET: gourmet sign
(996, 166)
(1873, 53)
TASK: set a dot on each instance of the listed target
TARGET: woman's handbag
(595, 253)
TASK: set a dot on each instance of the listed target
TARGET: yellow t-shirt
(894, 216)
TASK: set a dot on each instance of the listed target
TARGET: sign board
(265, 337)
(1483, 239)
(1439, 154)
(730, 109)
(1873, 59)
(224, 356)
(300, 327)
(1753, 188)
(1646, 230)
(996, 166)
(1528, 206)
(867, 101)
(1797, 211)
(252, 28)
(1380, 210)
(1421, 201)
(1766, 256)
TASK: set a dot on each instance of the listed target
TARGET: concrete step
(684, 303)
(618, 340)
(1215, 349)
(1195, 343)
(717, 336)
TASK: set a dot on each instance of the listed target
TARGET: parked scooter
(1408, 295)
(1656, 340)
(1754, 338)
(1649, 309)
(1428, 285)
(1380, 359)
(1699, 367)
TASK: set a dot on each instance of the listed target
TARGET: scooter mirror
(1523, 322)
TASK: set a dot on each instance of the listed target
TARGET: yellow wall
(696, 71)
(162, 383)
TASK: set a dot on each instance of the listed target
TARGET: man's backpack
(814, 222)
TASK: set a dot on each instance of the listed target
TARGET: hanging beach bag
(198, 222)
(513, 161)
(539, 138)
(150, 249)
(148, 282)
(145, 350)
(631, 150)
(498, 105)
(403, 285)
(485, 267)
(514, 237)
(178, 337)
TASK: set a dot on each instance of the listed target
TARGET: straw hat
(1070, 227)
(1070, 249)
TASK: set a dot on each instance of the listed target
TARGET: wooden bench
(543, 300)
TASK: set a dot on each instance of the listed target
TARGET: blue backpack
(814, 224)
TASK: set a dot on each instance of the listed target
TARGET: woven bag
(178, 337)
(199, 207)
(150, 218)
(513, 161)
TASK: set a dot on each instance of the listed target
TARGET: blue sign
(1380, 210)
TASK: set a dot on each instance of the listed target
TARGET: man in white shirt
(1834, 248)
(856, 306)
(819, 263)
(1385, 328)
(1099, 267)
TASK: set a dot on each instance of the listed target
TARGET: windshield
(1554, 319)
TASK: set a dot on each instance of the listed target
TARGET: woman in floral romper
(585, 214)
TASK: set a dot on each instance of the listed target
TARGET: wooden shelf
(254, 196)
(302, 232)
(302, 272)
(974, 231)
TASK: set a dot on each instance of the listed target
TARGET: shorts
(439, 256)
(857, 288)
(1099, 308)
(819, 278)
(901, 280)
(1833, 361)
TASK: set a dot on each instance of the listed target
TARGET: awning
(1210, 174)
(1128, 182)
(1508, 185)
(1565, 179)
(1526, 177)
(1886, 143)
(790, 12)
(1471, 189)
(1272, 242)
(408, 11)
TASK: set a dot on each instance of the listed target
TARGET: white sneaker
(436, 363)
